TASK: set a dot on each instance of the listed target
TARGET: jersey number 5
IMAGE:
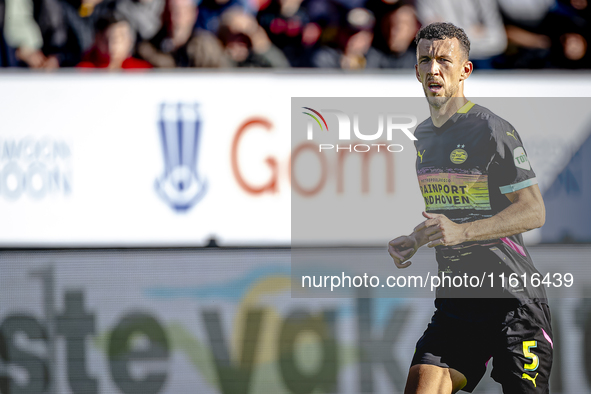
(535, 361)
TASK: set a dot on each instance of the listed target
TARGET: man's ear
(467, 69)
(417, 72)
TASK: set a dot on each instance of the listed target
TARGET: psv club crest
(181, 186)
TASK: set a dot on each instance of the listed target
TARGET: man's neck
(440, 115)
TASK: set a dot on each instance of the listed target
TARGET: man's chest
(452, 170)
(458, 151)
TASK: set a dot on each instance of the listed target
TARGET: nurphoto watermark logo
(389, 124)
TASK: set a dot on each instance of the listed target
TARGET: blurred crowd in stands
(342, 34)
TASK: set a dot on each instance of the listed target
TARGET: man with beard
(480, 194)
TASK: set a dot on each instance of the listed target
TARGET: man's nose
(433, 67)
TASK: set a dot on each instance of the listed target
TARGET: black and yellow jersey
(465, 168)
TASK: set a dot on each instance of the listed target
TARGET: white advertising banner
(181, 159)
(224, 322)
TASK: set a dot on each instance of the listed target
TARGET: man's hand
(401, 249)
(526, 212)
(445, 231)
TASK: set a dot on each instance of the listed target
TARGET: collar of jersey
(463, 110)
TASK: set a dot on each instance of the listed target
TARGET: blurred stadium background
(135, 262)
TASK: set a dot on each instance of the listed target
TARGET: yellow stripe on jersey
(466, 107)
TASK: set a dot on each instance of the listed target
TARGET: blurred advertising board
(221, 321)
(180, 159)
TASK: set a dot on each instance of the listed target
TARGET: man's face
(183, 14)
(400, 28)
(118, 41)
(441, 66)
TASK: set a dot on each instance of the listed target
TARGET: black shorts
(519, 342)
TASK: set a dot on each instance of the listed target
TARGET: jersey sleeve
(512, 168)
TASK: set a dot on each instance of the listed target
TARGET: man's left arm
(525, 213)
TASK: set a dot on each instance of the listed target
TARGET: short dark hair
(443, 30)
(108, 19)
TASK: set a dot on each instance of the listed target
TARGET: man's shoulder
(494, 122)
(483, 112)
(424, 126)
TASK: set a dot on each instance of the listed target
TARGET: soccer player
(480, 194)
